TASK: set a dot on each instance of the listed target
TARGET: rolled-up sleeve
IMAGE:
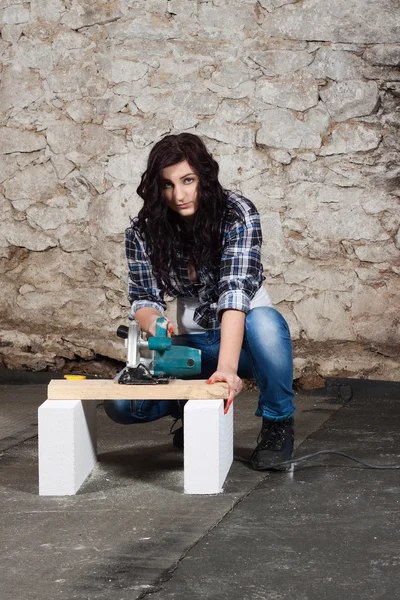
(143, 289)
(241, 269)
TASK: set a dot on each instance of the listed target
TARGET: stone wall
(297, 100)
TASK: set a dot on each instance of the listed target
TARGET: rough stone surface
(347, 99)
(64, 137)
(280, 62)
(16, 140)
(120, 70)
(20, 87)
(325, 314)
(35, 183)
(281, 156)
(197, 102)
(238, 135)
(335, 64)
(47, 10)
(298, 91)
(74, 82)
(14, 13)
(385, 54)
(333, 213)
(352, 137)
(336, 21)
(378, 253)
(8, 167)
(282, 129)
(85, 14)
(298, 102)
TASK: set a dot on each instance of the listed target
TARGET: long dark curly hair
(160, 227)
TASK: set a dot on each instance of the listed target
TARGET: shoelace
(273, 437)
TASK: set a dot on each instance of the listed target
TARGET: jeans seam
(136, 407)
(246, 348)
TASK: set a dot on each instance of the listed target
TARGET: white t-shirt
(186, 308)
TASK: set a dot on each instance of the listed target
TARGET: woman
(201, 244)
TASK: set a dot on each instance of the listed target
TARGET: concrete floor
(328, 530)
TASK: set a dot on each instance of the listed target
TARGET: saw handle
(161, 327)
(160, 341)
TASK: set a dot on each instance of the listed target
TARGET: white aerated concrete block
(208, 446)
(67, 445)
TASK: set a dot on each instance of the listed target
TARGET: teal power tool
(155, 360)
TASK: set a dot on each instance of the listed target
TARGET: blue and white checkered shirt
(230, 285)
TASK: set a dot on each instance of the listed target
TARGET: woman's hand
(151, 331)
(232, 379)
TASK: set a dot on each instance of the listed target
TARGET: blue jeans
(266, 355)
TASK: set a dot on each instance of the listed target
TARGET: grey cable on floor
(320, 452)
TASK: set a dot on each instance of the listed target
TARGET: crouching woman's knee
(267, 321)
(119, 411)
(128, 412)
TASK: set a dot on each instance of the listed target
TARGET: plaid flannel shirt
(230, 285)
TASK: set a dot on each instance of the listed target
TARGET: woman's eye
(166, 185)
(189, 180)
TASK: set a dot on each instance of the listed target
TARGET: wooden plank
(107, 389)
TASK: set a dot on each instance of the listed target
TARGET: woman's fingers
(169, 328)
(234, 382)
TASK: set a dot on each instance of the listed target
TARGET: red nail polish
(227, 406)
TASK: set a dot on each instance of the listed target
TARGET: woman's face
(180, 186)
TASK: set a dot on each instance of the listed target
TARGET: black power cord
(314, 454)
(343, 392)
